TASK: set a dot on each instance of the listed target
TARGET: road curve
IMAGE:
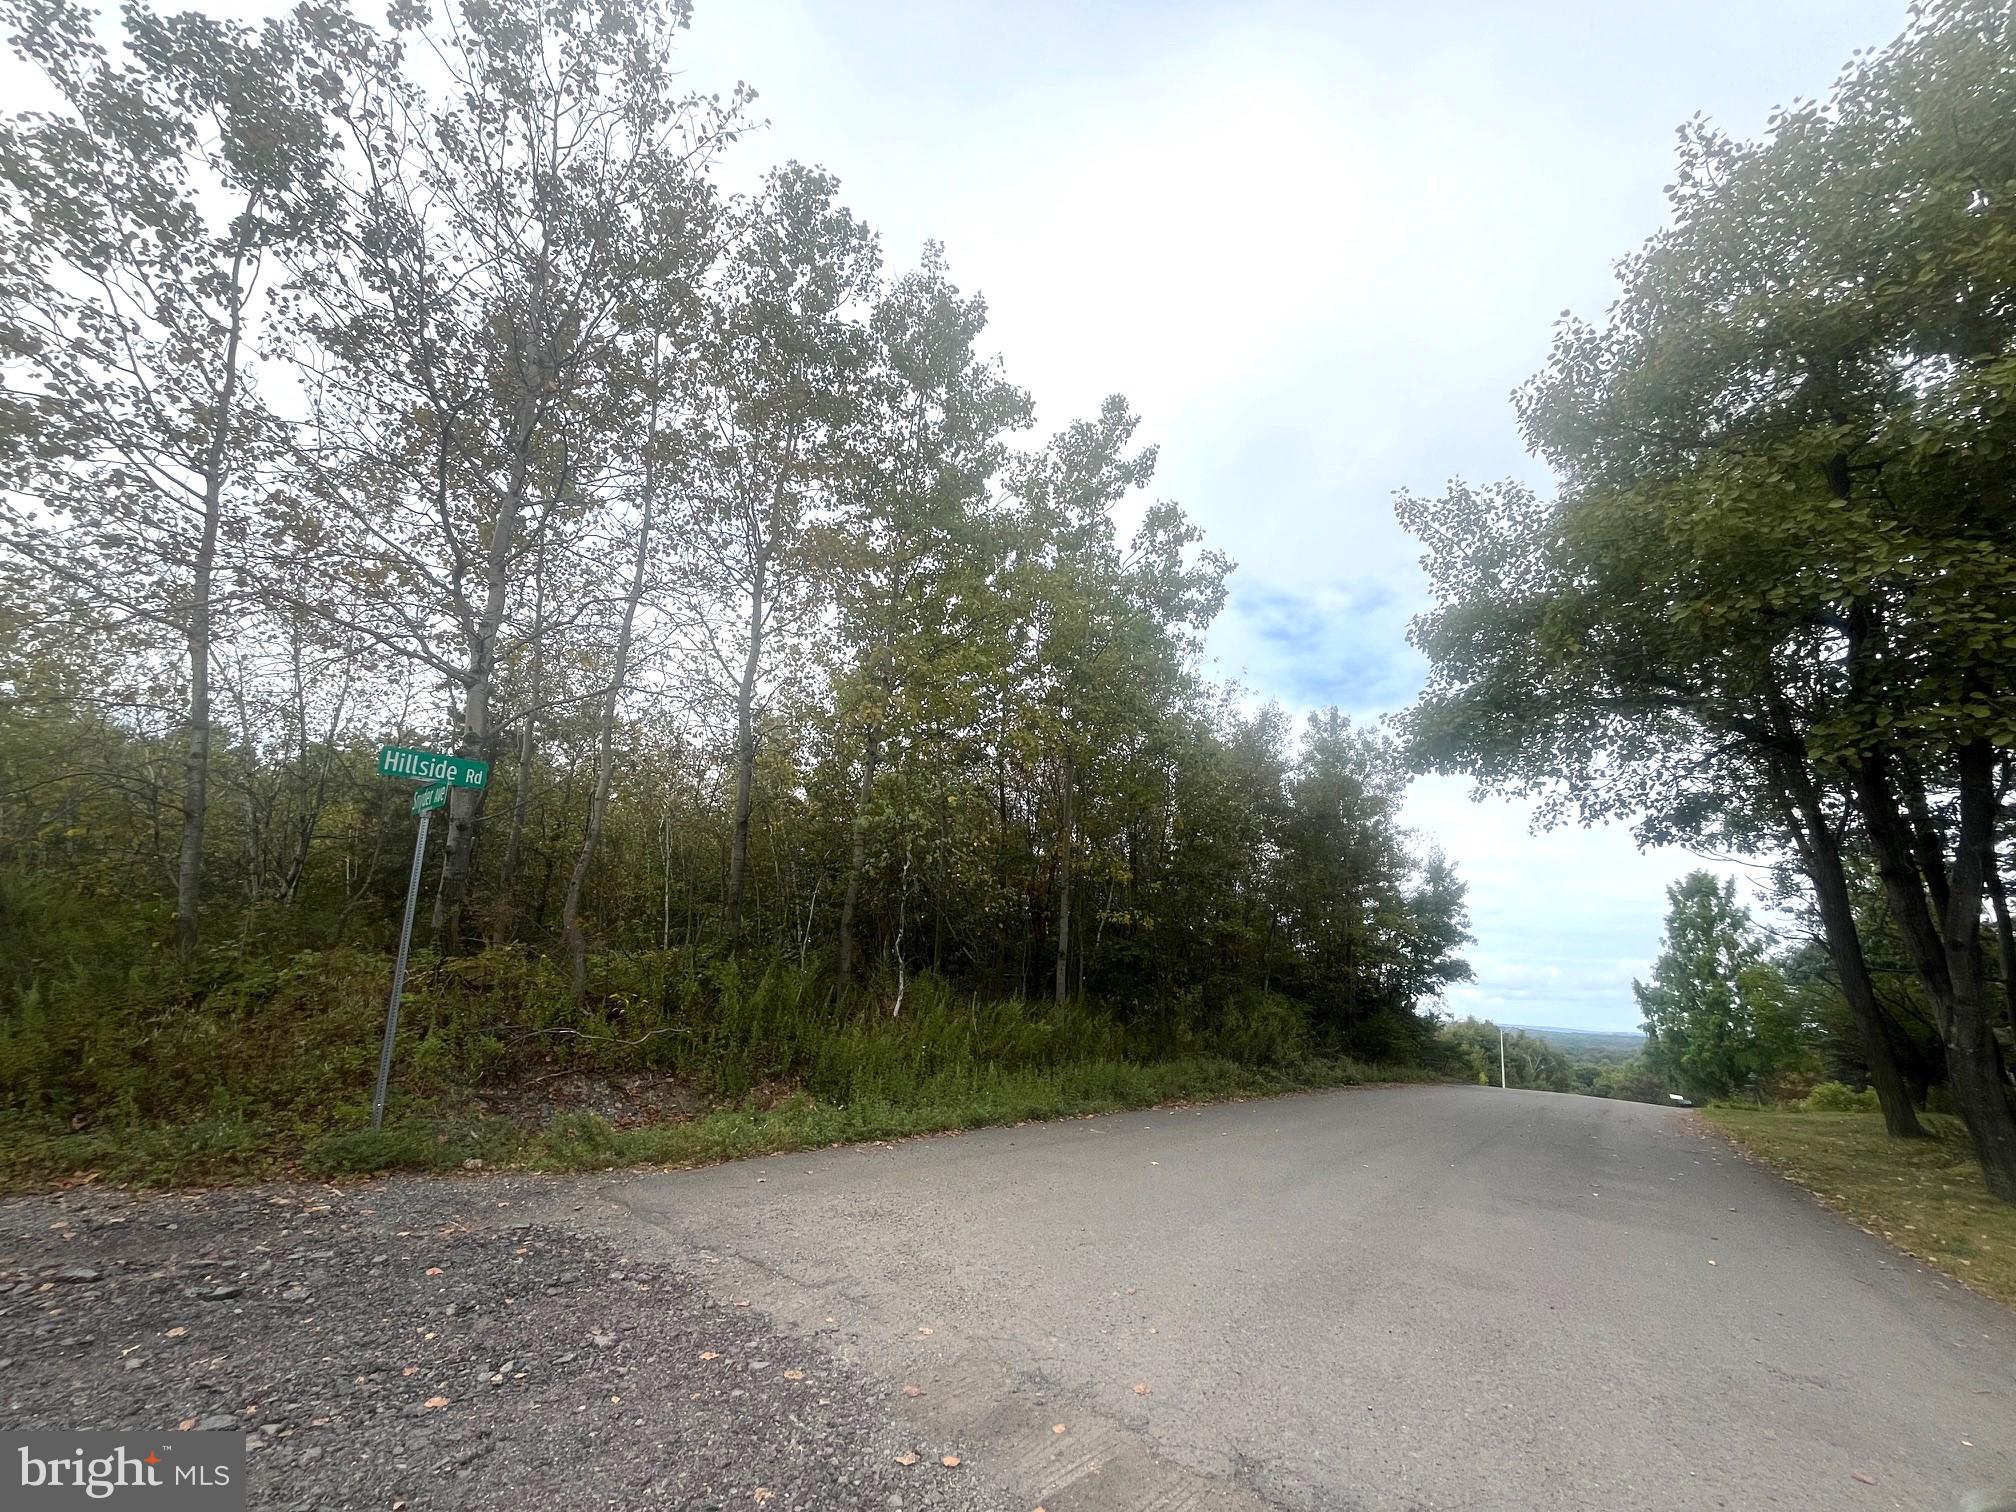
(1394, 1298)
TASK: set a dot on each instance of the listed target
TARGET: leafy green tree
(1717, 1015)
(783, 365)
(139, 219)
(1784, 534)
(666, 504)
(468, 329)
(910, 553)
(1804, 395)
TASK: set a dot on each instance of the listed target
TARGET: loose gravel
(420, 1344)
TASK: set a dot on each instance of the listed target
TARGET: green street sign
(433, 766)
(429, 798)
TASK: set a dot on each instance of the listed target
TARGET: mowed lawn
(1923, 1195)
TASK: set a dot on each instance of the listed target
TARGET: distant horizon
(1637, 1034)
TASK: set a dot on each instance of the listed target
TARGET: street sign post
(442, 774)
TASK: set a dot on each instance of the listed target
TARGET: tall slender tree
(781, 365)
(136, 222)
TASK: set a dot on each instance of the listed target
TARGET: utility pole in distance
(1502, 1084)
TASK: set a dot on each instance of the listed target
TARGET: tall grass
(237, 1067)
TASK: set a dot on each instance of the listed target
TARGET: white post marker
(1502, 1086)
(443, 773)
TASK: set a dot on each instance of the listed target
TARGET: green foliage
(1718, 1016)
(872, 755)
(1472, 1046)
(1833, 1097)
(1770, 610)
(275, 1073)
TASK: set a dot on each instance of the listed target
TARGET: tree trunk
(196, 769)
(1947, 951)
(1819, 850)
(465, 805)
(605, 734)
(504, 926)
(858, 854)
(745, 754)
(1064, 825)
(1985, 1101)
(2005, 940)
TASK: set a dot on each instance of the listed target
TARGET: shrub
(1838, 1097)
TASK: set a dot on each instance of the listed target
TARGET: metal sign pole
(399, 972)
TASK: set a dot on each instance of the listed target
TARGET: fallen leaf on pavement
(913, 1391)
(186, 1424)
(764, 1494)
(906, 1458)
(710, 1354)
(1867, 1480)
(435, 1401)
(175, 1333)
(1056, 1427)
(950, 1462)
(1140, 1388)
(924, 1333)
(433, 1270)
(410, 1370)
(794, 1375)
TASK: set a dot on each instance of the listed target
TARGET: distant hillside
(1600, 1046)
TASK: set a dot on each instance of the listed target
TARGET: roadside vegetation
(270, 1074)
(1770, 611)
(851, 763)
(1925, 1196)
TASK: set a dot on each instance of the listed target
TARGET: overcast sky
(1316, 245)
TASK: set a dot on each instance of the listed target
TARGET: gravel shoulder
(432, 1344)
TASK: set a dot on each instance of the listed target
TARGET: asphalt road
(1437, 1297)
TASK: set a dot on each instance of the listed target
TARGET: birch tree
(137, 221)
(472, 320)
(779, 370)
(911, 550)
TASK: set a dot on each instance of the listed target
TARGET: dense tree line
(420, 383)
(1773, 608)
